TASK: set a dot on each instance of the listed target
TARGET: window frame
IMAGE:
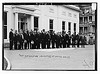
(4, 25)
(90, 18)
(69, 26)
(74, 27)
(63, 25)
(36, 26)
(51, 24)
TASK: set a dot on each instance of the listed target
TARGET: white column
(66, 26)
(16, 21)
(77, 28)
(88, 19)
(83, 30)
(72, 28)
(32, 22)
(83, 20)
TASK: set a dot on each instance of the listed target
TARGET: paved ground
(53, 59)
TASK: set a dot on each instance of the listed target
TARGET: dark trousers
(60, 44)
(21, 45)
(73, 43)
(38, 44)
(57, 44)
(15, 45)
(25, 45)
(64, 44)
(53, 44)
(78, 44)
(11, 44)
(48, 44)
(33, 46)
(68, 44)
(43, 44)
(28, 43)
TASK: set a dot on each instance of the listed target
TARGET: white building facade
(48, 17)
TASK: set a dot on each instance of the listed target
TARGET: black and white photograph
(49, 36)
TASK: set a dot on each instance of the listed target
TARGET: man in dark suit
(15, 39)
(73, 39)
(28, 39)
(57, 40)
(20, 40)
(64, 39)
(60, 36)
(25, 39)
(83, 41)
(43, 39)
(78, 40)
(53, 36)
(69, 39)
(37, 39)
(48, 38)
(11, 39)
(32, 38)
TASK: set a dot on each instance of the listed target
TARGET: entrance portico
(24, 21)
(23, 17)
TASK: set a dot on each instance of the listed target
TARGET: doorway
(22, 21)
(22, 26)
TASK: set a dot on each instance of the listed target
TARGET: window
(85, 19)
(35, 23)
(81, 30)
(63, 25)
(93, 18)
(69, 26)
(5, 25)
(90, 18)
(51, 24)
(74, 27)
(85, 29)
(81, 20)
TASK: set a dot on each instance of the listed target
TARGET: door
(22, 26)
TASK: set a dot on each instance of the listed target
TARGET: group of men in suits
(43, 39)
